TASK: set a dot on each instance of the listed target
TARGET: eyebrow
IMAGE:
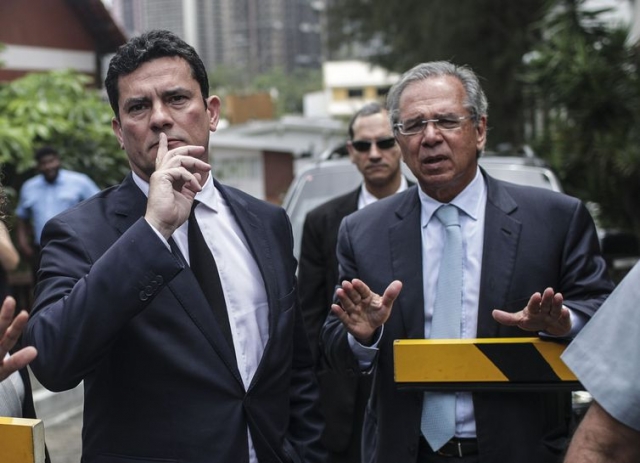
(167, 93)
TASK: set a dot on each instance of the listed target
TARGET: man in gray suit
(374, 151)
(532, 253)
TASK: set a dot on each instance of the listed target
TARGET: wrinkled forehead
(432, 97)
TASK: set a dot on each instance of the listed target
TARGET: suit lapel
(405, 237)
(501, 237)
(129, 205)
(187, 291)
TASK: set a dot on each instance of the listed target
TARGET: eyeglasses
(415, 126)
(383, 144)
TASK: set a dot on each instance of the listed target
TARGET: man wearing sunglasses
(374, 151)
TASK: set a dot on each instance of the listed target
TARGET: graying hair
(475, 100)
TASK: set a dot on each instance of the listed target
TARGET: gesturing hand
(544, 312)
(173, 185)
(10, 331)
(361, 310)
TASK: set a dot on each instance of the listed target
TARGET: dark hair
(147, 47)
(45, 151)
(367, 110)
(475, 101)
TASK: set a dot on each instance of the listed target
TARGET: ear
(352, 152)
(117, 130)
(481, 134)
(213, 110)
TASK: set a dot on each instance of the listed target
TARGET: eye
(413, 125)
(136, 108)
(177, 98)
(449, 123)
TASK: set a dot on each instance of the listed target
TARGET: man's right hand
(361, 310)
(173, 185)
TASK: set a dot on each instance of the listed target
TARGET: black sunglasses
(382, 144)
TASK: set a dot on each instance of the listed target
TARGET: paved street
(62, 417)
(63, 439)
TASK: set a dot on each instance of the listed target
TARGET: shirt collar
(468, 201)
(367, 198)
(208, 196)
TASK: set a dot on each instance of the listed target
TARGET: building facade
(252, 36)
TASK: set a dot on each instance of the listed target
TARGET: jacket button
(143, 296)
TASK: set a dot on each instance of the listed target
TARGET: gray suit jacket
(533, 239)
(115, 308)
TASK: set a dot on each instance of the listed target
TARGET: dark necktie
(204, 267)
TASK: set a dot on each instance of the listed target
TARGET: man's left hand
(544, 312)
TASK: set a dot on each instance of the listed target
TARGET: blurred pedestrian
(374, 151)
(47, 194)
(173, 297)
(9, 257)
(603, 357)
(445, 256)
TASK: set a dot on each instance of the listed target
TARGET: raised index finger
(163, 148)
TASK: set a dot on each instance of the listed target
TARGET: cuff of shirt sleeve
(365, 355)
(166, 243)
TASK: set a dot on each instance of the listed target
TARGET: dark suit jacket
(343, 396)
(533, 239)
(115, 308)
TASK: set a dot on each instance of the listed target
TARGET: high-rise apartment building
(252, 36)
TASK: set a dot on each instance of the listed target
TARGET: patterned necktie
(204, 267)
(438, 411)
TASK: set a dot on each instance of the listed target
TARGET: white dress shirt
(365, 198)
(242, 283)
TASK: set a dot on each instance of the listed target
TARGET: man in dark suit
(374, 151)
(169, 373)
(530, 252)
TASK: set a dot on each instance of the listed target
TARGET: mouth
(434, 159)
(376, 167)
(171, 143)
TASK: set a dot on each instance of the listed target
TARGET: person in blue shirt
(49, 193)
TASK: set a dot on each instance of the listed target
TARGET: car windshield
(523, 175)
(317, 186)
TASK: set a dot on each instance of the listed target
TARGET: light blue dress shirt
(41, 200)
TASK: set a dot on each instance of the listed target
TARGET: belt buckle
(458, 448)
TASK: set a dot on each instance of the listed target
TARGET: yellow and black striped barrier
(482, 364)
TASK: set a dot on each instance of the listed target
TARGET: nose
(431, 135)
(374, 153)
(160, 117)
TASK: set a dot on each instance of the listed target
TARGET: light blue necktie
(439, 409)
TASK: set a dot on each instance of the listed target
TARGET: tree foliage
(584, 82)
(57, 108)
(491, 36)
